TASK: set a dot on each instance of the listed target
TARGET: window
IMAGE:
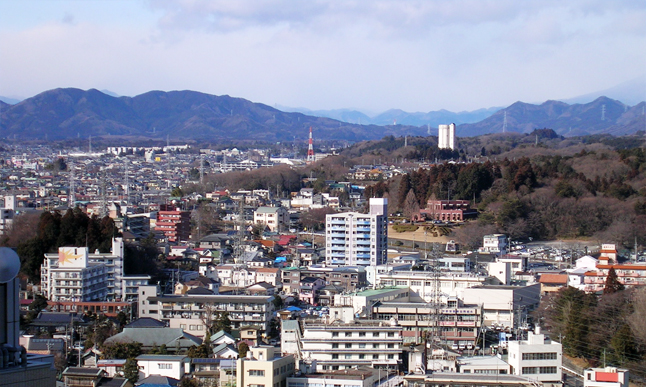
(256, 372)
(530, 370)
(391, 334)
(391, 356)
(362, 345)
(335, 356)
(375, 346)
(348, 334)
(348, 356)
(335, 334)
(547, 370)
(375, 334)
(335, 345)
(362, 356)
(165, 366)
(348, 345)
(391, 345)
(375, 357)
(540, 356)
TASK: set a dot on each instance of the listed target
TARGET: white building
(605, 377)
(172, 366)
(536, 358)
(504, 306)
(446, 137)
(7, 214)
(344, 346)
(494, 244)
(75, 274)
(421, 283)
(355, 239)
(272, 217)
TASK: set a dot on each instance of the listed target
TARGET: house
(225, 351)
(222, 337)
(251, 335)
(552, 283)
(175, 339)
(273, 217)
(77, 376)
(172, 366)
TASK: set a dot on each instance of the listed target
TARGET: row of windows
(361, 345)
(256, 372)
(539, 356)
(539, 370)
(335, 356)
(363, 334)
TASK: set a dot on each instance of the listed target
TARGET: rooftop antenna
(504, 122)
(71, 197)
(603, 112)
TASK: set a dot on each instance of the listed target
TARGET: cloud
(68, 19)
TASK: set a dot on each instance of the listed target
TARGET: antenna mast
(504, 123)
(310, 149)
(201, 169)
(103, 211)
(71, 197)
(127, 183)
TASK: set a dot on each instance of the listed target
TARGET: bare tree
(411, 206)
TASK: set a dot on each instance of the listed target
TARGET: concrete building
(353, 238)
(447, 210)
(342, 378)
(421, 283)
(494, 244)
(273, 217)
(446, 137)
(264, 366)
(175, 224)
(536, 358)
(504, 306)
(187, 311)
(605, 377)
(347, 345)
(74, 274)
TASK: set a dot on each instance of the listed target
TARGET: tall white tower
(446, 137)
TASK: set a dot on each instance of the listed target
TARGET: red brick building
(175, 224)
(447, 210)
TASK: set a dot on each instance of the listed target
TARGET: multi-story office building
(175, 224)
(188, 311)
(76, 275)
(353, 238)
(536, 358)
(264, 366)
(347, 345)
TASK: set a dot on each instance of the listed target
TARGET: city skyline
(372, 56)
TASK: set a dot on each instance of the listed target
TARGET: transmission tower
(201, 169)
(603, 112)
(435, 302)
(103, 211)
(504, 122)
(126, 183)
(310, 149)
(237, 244)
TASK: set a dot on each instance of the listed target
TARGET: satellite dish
(9, 264)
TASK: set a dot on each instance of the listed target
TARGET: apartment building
(502, 305)
(188, 311)
(273, 217)
(75, 274)
(347, 345)
(494, 244)
(346, 279)
(353, 238)
(241, 276)
(175, 224)
(630, 275)
(264, 366)
(456, 325)
(537, 358)
(340, 378)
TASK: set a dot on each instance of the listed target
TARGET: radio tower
(127, 183)
(71, 197)
(504, 123)
(310, 149)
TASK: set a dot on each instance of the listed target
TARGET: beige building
(273, 217)
(264, 367)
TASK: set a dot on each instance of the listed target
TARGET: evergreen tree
(612, 283)
(131, 370)
(222, 323)
(243, 348)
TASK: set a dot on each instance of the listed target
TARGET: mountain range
(183, 115)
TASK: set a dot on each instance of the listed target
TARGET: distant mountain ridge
(68, 113)
(601, 116)
(397, 116)
(71, 113)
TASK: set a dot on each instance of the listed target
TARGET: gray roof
(146, 322)
(219, 334)
(149, 337)
(162, 357)
(157, 380)
(214, 298)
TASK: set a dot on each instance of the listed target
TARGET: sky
(370, 55)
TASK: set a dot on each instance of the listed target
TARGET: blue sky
(366, 54)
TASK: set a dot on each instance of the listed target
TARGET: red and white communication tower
(310, 149)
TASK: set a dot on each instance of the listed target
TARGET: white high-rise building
(446, 137)
(356, 239)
